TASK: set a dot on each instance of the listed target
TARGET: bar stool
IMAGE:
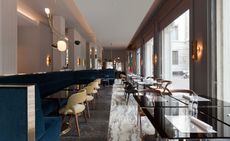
(75, 106)
(95, 85)
(90, 90)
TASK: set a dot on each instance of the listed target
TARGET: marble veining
(123, 118)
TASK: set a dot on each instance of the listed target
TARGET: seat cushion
(89, 98)
(78, 108)
(65, 111)
(94, 92)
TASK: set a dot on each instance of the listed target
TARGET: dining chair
(162, 87)
(95, 85)
(123, 78)
(129, 89)
(91, 91)
(75, 106)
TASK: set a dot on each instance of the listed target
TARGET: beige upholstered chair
(75, 106)
(95, 85)
(90, 90)
(162, 87)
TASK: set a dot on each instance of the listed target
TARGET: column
(8, 37)
(58, 57)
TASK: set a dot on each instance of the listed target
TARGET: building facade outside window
(175, 52)
(175, 57)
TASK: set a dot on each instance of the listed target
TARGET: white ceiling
(65, 8)
(114, 21)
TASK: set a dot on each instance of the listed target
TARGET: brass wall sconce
(197, 50)
(48, 60)
(78, 61)
(155, 59)
(61, 44)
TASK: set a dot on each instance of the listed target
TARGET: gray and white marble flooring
(123, 118)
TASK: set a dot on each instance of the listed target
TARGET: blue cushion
(53, 129)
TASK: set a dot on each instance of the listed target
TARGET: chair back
(164, 86)
(98, 81)
(89, 89)
(77, 98)
(95, 84)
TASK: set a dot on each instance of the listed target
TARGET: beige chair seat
(94, 91)
(78, 108)
(97, 87)
(89, 98)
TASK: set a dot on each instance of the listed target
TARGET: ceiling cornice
(71, 5)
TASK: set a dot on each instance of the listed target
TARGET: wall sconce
(48, 60)
(78, 61)
(197, 49)
(63, 40)
(155, 59)
(90, 51)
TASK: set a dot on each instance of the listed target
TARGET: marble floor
(112, 120)
(96, 128)
(123, 118)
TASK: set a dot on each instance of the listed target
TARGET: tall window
(175, 52)
(138, 61)
(223, 50)
(148, 63)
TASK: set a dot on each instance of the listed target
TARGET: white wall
(58, 57)
(8, 37)
(34, 44)
(76, 51)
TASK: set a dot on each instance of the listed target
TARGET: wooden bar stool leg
(85, 116)
(77, 125)
(94, 103)
(87, 106)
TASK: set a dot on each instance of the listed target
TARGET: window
(175, 58)
(138, 61)
(118, 66)
(109, 65)
(175, 45)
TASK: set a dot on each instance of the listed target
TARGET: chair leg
(127, 99)
(94, 104)
(85, 116)
(77, 125)
(98, 92)
(87, 107)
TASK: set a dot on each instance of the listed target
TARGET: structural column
(8, 37)
(58, 57)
